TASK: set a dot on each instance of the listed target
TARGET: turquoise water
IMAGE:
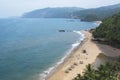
(28, 47)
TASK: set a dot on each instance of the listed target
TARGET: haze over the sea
(10, 8)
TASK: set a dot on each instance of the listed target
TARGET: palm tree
(108, 71)
(89, 73)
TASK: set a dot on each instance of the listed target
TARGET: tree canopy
(109, 30)
(107, 71)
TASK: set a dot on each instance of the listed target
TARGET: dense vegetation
(109, 30)
(99, 13)
(90, 17)
(108, 71)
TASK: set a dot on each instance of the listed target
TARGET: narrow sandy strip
(77, 61)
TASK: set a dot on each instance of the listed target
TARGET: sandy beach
(77, 61)
(86, 53)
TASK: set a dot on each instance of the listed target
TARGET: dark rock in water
(61, 30)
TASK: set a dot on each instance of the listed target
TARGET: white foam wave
(73, 46)
(82, 35)
(45, 73)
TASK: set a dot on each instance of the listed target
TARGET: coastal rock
(61, 30)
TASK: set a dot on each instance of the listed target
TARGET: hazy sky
(17, 7)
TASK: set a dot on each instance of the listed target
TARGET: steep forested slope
(109, 30)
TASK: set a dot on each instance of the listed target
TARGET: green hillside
(109, 30)
(59, 12)
(107, 71)
(97, 13)
(92, 14)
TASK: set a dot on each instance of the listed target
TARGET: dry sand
(77, 61)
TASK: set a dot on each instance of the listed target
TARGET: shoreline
(65, 58)
(76, 61)
(45, 75)
(59, 71)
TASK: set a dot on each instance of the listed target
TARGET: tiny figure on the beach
(72, 66)
(81, 62)
(75, 64)
(69, 69)
(66, 71)
(84, 51)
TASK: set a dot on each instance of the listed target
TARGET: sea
(31, 48)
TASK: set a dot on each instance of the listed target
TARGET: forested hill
(74, 12)
(64, 12)
(109, 30)
(97, 13)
